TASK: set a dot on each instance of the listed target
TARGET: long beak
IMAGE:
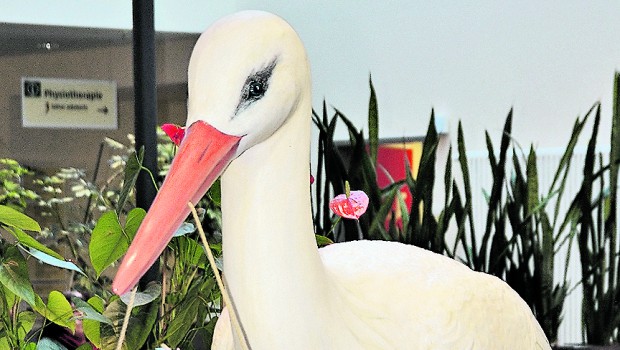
(204, 154)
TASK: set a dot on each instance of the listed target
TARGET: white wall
(190, 16)
(471, 61)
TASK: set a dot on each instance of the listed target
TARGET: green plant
(12, 191)
(358, 166)
(524, 226)
(172, 311)
(16, 321)
(595, 215)
(179, 308)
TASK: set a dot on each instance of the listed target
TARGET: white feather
(357, 295)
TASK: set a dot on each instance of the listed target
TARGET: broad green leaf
(107, 243)
(88, 312)
(4, 341)
(25, 321)
(51, 260)
(59, 310)
(322, 241)
(92, 327)
(140, 325)
(152, 292)
(26, 240)
(9, 297)
(14, 275)
(134, 219)
(215, 193)
(12, 218)
(85, 346)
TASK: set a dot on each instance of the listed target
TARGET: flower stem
(121, 338)
(236, 323)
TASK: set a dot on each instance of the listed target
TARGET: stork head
(246, 76)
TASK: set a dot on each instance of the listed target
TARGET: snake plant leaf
(377, 226)
(532, 180)
(472, 251)
(373, 123)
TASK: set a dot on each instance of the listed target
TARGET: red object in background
(392, 161)
(175, 133)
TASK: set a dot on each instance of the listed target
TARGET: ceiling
(20, 39)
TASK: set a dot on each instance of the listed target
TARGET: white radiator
(481, 179)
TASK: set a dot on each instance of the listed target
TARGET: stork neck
(271, 262)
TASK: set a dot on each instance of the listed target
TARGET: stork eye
(255, 86)
(256, 90)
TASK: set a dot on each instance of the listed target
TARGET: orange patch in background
(392, 161)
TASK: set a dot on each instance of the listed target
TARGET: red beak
(204, 154)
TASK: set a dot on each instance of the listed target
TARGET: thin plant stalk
(236, 322)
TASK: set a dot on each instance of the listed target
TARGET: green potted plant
(594, 211)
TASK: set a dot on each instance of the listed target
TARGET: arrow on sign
(103, 110)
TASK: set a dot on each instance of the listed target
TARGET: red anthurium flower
(350, 207)
(174, 132)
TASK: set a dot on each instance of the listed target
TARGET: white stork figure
(250, 120)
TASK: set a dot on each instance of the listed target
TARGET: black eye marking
(256, 89)
(255, 86)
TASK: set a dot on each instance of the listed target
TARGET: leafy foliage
(524, 227)
(12, 191)
(15, 286)
(595, 218)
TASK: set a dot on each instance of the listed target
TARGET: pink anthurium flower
(174, 132)
(350, 205)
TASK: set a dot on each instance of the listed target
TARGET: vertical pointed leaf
(373, 123)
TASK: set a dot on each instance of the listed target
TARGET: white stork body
(288, 294)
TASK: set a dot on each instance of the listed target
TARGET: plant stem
(152, 178)
(236, 323)
(121, 338)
